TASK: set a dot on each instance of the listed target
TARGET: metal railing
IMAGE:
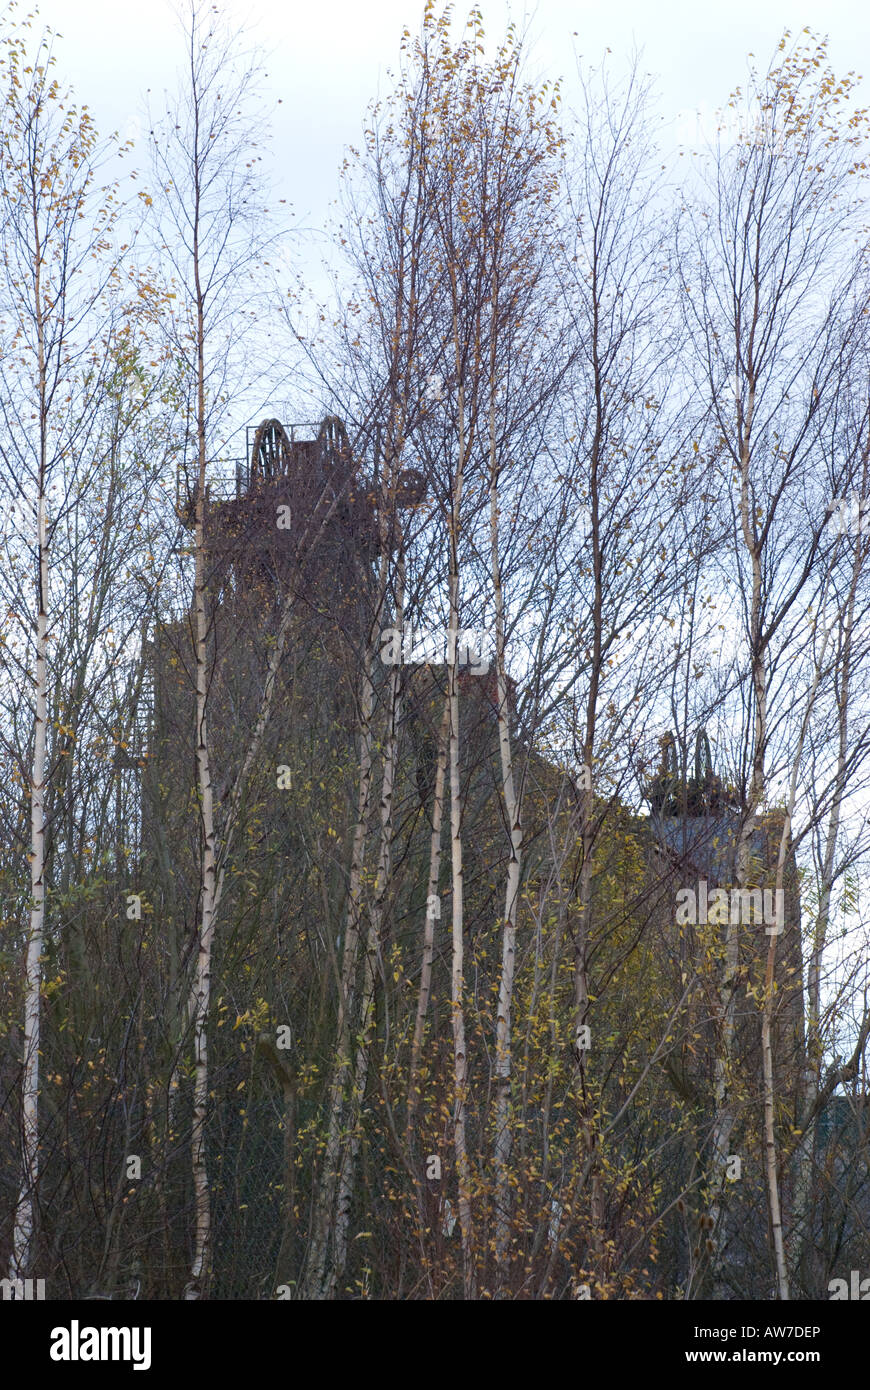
(233, 480)
(292, 432)
(220, 487)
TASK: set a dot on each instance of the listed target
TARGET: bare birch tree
(61, 270)
(765, 325)
(212, 230)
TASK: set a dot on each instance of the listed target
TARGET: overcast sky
(328, 58)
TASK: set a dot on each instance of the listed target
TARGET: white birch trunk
(724, 1116)
(372, 956)
(770, 1155)
(425, 989)
(23, 1236)
(502, 1146)
(323, 1214)
(457, 974)
(769, 1135)
(201, 995)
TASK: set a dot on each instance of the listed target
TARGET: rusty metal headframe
(318, 471)
(270, 453)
